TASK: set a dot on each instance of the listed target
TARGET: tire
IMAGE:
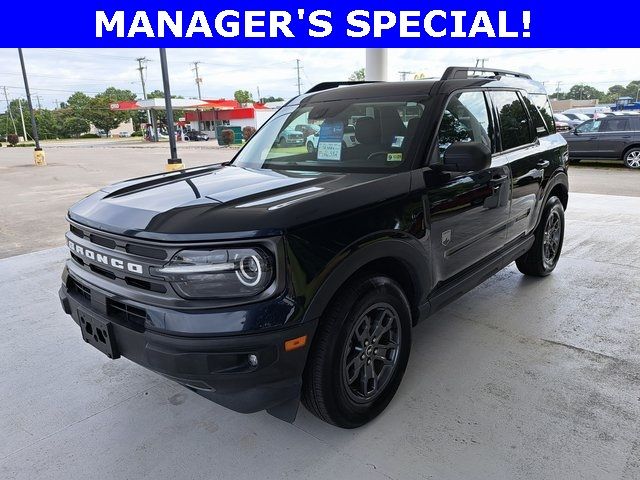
(543, 256)
(345, 345)
(282, 142)
(632, 158)
(310, 147)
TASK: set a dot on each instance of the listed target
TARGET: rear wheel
(632, 158)
(360, 352)
(310, 147)
(282, 143)
(544, 254)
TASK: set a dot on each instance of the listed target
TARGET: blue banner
(357, 23)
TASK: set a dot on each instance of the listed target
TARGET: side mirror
(466, 157)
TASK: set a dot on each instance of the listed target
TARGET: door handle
(498, 180)
(543, 164)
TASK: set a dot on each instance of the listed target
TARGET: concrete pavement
(520, 378)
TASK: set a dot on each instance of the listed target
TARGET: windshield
(344, 135)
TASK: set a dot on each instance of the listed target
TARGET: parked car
(282, 276)
(560, 117)
(613, 137)
(290, 137)
(307, 129)
(596, 111)
(348, 139)
(578, 117)
(196, 136)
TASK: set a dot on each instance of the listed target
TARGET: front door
(583, 141)
(468, 212)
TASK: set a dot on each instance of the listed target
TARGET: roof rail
(464, 72)
(327, 85)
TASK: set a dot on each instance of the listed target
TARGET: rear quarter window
(540, 109)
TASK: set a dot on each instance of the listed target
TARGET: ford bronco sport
(288, 274)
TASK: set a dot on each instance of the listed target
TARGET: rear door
(615, 136)
(467, 211)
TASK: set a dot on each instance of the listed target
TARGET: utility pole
(38, 154)
(480, 62)
(198, 79)
(6, 97)
(259, 97)
(198, 82)
(298, 70)
(404, 74)
(141, 68)
(174, 163)
(38, 100)
(24, 128)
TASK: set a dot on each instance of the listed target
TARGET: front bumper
(216, 367)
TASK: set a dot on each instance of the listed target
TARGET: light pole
(174, 163)
(38, 154)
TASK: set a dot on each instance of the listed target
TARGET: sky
(54, 74)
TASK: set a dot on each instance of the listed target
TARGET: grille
(126, 313)
(79, 289)
(135, 249)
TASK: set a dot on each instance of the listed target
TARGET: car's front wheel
(544, 254)
(360, 352)
(632, 158)
(310, 147)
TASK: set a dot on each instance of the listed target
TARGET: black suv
(615, 137)
(288, 274)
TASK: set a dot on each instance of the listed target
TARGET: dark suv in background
(615, 137)
(290, 274)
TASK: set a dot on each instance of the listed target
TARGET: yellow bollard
(172, 167)
(39, 157)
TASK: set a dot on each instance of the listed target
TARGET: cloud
(54, 74)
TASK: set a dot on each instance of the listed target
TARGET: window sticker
(330, 141)
(394, 157)
(397, 141)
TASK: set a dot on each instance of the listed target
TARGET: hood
(229, 202)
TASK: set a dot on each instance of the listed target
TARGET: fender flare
(558, 178)
(405, 249)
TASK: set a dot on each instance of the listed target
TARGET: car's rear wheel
(360, 352)
(282, 143)
(310, 147)
(632, 158)
(543, 256)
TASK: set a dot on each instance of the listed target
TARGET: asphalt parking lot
(520, 378)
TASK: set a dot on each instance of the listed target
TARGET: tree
(271, 99)
(99, 108)
(357, 76)
(584, 92)
(74, 126)
(243, 96)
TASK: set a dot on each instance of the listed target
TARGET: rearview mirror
(466, 157)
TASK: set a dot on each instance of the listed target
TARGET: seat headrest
(368, 131)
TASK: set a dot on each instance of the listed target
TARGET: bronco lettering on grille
(105, 259)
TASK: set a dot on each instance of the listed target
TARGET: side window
(514, 122)
(619, 124)
(540, 108)
(634, 124)
(589, 126)
(465, 119)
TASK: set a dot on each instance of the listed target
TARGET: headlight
(220, 273)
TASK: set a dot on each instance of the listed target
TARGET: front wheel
(632, 158)
(544, 254)
(310, 147)
(360, 352)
